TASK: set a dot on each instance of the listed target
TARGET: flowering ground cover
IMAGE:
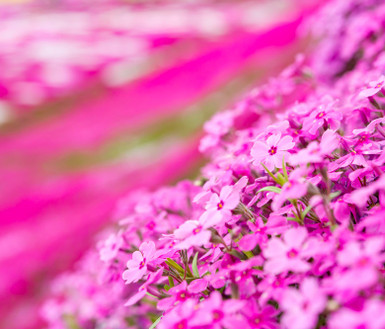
(70, 154)
(285, 226)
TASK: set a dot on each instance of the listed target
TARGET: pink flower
(360, 196)
(294, 188)
(137, 266)
(271, 152)
(373, 88)
(216, 313)
(371, 316)
(180, 317)
(111, 247)
(178, 294)
(259, 317)
(319, 117)
(152, 278)
(197, 286)
(303, 306)
(362, 262)
(191, 233)
(219, 207)
(315, 152)
(289, 254)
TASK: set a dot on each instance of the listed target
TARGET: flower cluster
(285, 229)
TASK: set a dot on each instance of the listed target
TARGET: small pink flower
(111, 247)
(289, 254)
(371, 316)
(152, 278)
(319, 117)
(271, 152)
(219, 207)
(259, 317)
(180, 317)
(216, 313)
(373, 88)
(315, 152)
(191, 233)
(362, 262)
(303, 306)
(178, 294)
(137, 266)
(360, 196)
(294, 188)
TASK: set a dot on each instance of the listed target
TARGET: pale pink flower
(191, 233)
(373, 88)
(303, 306)
(271, 152)
(219, 207)
(137, 266)
(371, 316)
(289, 253)
(362, 261)
(216, 313)
(152, 278)
(315, 152)
(110, 247)
(294, 188)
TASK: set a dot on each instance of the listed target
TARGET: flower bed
(285, 227)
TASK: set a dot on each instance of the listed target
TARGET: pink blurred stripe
(161, 94)
(85, 202)
(41, 247)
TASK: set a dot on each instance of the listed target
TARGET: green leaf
(271, 174)
(270, 189)
(71, 321)
(171, 281)
(151, 295)
(281, 179)
(293, 219)
(206, 273)
(156, 322)
(167, 287)
(195, 265)
(248, 254)
(306, 211)
(334, 195)
(174, 265)
(284, 169)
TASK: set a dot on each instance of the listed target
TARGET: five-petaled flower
(272, 151)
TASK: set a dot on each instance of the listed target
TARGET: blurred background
(98, 98)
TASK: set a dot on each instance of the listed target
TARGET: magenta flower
(319, 117)
(216, 313)
(289, 253)
(360, 196)
(180, 317)
(272, 151)
(259, 317)
(137, 266)
(315, 152)
(178, 294)
(229, 256)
